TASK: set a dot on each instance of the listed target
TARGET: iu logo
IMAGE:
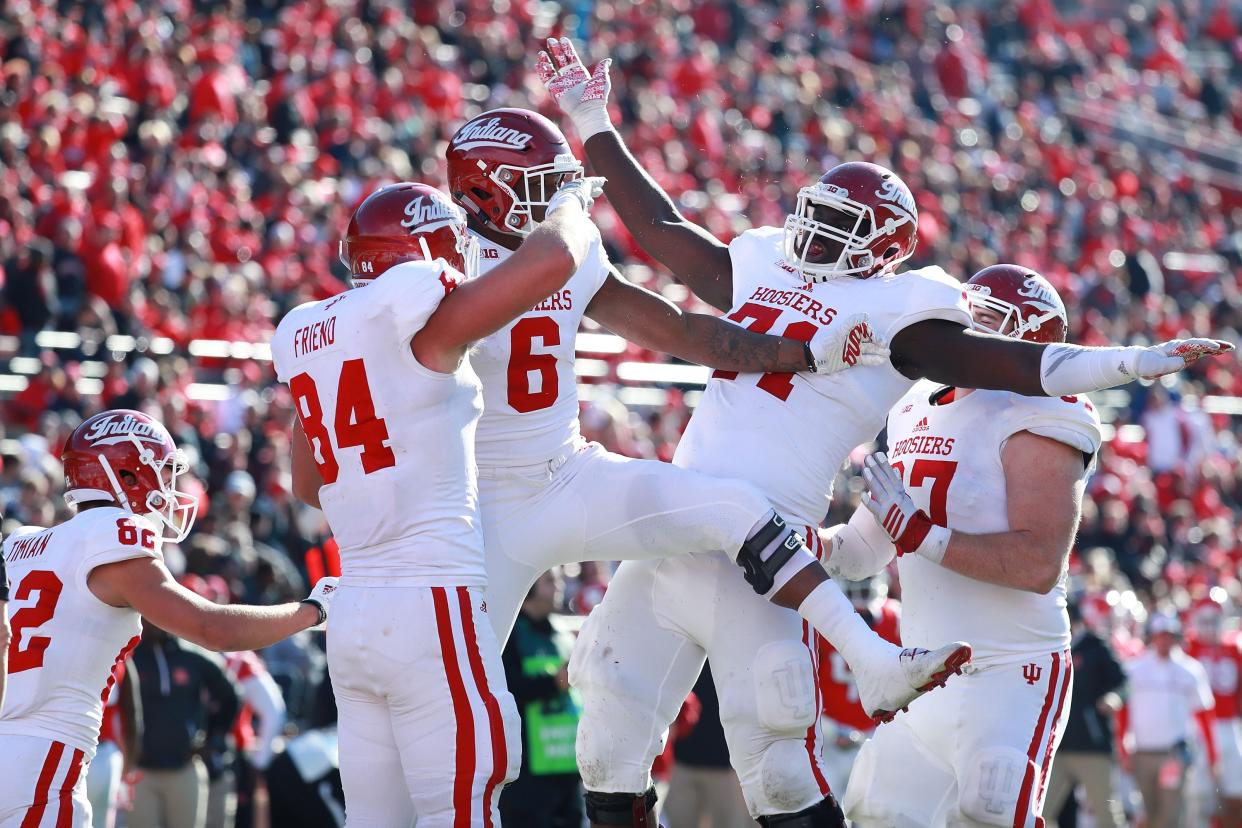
(1031, 672)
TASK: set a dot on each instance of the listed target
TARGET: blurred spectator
(1086, 754)
(120, 739)
(1220, 652)
(548, 793)
(189, 704)
(1168, 690)
(703, 790)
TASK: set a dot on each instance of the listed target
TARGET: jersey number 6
(522, 363)
(355, 422)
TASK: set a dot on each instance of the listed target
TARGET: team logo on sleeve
(112, 430)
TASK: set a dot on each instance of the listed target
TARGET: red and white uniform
(65, 644)
(262, 696)
(788, 434)
(979, 749)
(844, 719)
(1223, 664)
(104, 775)
(395, 444)
(548, 497)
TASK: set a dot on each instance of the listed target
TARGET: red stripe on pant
(463, 779)
(64, 819)
(1052, 733)
(495, 723)
(808, 638)
(1028, 780)
(34, 814)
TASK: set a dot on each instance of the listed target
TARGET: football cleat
(888, 685)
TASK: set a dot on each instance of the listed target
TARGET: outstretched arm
(651, 321)
(541, 266)
(947, 352)
(694, 255)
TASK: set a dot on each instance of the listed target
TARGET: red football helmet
(1027, 304)
(505, 164)
(406, 222)
(858, 220)
(127, 458)
(1206, 617)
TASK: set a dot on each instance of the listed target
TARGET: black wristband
(323, 613)
(810, 356)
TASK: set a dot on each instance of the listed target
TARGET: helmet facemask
(850, 229)
(979, 297)
(531, 189)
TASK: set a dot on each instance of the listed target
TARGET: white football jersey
(949, 455)
(530, 391)
(65, 640)
(789, 433)
(393, 439)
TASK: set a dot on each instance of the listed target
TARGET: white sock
(835, 618)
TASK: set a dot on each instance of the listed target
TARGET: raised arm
(694, 256)
(147, 586)
(651, 321)
(947, 352)
(541, 266)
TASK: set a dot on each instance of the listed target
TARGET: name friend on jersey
(313, 337)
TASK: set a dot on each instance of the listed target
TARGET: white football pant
(591, 505)
(428, 730)
(975, 752)
(42, 784)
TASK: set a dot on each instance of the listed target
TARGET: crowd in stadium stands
(183, 170)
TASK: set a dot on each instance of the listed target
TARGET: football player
(1220, 653)
(384, 443)
(6, 632)
(81, 588)
(546, 496)
(837, 256)
(846, 724)
(995, 571)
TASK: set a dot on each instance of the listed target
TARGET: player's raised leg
(632, 687)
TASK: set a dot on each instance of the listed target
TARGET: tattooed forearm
(728, 347)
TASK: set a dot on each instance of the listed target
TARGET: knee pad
(625, 809)
(823, 814)
(785, 698)
(990, 786)
(786, 778)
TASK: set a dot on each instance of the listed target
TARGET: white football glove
(321, 597)
(581, 96)
(582, 190)
(1171, 357)
(838, 347)
(909, 527)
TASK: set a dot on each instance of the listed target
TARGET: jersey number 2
(355, 422)
(777, 383)
(522, 363)
(48, 586)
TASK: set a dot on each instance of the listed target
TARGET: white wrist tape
(1073, 369)
(592, 122)
(935, 544)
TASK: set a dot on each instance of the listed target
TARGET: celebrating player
(980, 492)
(547, 497)
(836, 256)
(388, 405)
(80, 588)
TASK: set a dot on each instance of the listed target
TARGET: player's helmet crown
(1020, 296)
(406, 222)
(127, 458)
(506, 164)
(858, 220)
